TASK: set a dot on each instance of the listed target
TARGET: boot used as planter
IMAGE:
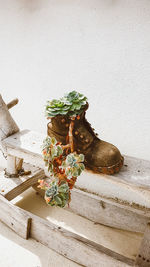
(100, 156)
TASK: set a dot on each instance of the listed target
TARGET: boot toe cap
(105, 154)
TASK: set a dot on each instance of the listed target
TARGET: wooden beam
(12, 103)
(12, 187)
(7, 124)
(103, 211)
(15, 218)
(73, 246)
(98, 197)
(143, 257)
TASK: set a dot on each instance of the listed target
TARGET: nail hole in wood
(12, 224)
(102, 204)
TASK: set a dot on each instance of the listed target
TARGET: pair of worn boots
(100, 156)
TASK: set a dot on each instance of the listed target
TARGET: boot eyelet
(76, 132)
(81, 136)
(67, 125)
(62, 120)
(86, 140)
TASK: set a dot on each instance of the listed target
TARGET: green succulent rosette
(71, 104)
(73, 165)
(51, 148)
(57, 194)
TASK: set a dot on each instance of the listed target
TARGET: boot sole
(107, 170)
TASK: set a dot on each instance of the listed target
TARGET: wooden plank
(133, 177)
(130, 189)
(71, 245)
(103, 185)
(12, 187)
(136, 171)
(7, 124)
(103, 211)
(143, 257)
(15, 218)
(123, 243)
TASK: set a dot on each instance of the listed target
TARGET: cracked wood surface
(121, 200)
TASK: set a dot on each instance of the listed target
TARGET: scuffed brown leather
(98, 153)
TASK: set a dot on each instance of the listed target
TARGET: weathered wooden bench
(121, 201)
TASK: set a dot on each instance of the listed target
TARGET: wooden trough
(121, 201)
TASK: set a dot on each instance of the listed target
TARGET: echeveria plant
(64, 168)
(71, 104)
(73, 165)
(57, 194)
(52, 151)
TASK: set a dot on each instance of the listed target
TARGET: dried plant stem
(71, 126)
(65, 146)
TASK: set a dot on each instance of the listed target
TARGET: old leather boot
(100, 156)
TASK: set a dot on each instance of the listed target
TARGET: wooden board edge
(97, 210)
(49, 233)
(15, 218)
(24, 185)
(143, 256)
(64, 235)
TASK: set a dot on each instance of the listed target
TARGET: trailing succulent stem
(64, 170)
(64, 167)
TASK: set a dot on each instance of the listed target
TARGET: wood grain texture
(121, 200)
(121, 242)
(143, 257)
(15, 218)
(102, 211)
(135, 171)
(12, 187)
(7, 124)
(72, 245)
(106, 212)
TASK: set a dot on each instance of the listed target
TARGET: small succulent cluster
(64, 168)
(56, 194)
(71, 104)
(73, 165)
(52, 153)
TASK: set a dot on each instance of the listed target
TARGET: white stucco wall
(98, 47)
